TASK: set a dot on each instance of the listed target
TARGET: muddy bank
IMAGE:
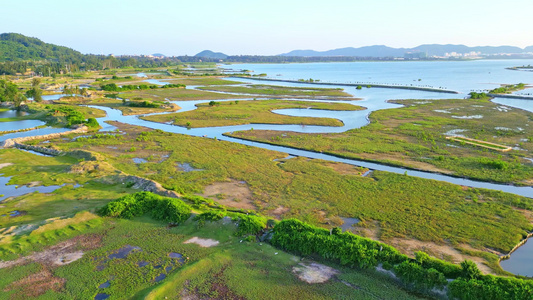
(9, 143)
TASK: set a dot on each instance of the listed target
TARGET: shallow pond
(12, 190)
(12, 113)
(105, 285)
(185, 167)
(138, 160)
(101, 296)
(521, 261)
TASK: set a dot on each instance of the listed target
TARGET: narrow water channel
(217, 132)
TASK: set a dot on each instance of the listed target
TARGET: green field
(415, 136)
(321, 192)
(228, 113)
(447, 221)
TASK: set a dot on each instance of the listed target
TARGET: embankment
(387, 86)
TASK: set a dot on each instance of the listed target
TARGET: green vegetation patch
(160, 208)
(226, 113)
(274, 90)
(403, 206)
(415, 136)
(203, 81)
(177, 95)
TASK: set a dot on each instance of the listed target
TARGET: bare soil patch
(314, 272)
(36, 284)
(206, 243)
(234, 194)
(279, 211)
(444, 252)
(60, 254)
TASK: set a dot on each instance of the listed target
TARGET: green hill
(211, 54)
(17, 47)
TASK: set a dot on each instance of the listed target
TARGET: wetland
(363, 161)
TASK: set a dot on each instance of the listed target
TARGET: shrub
(249, 225)
(348, 249)
(171, 210)
(92, 123)
(137, 204)
(419, 277)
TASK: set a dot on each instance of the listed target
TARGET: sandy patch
(206, 243)
(444, 252)
(314, 273)
(234, 194)
(60, 254)
(5, 165)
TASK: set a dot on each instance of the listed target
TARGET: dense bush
(346, 248)
(72, 116)
(418, 277)
(422, 274)
(113, 87)
(170, 210)
(248, 224)
(143, 104)
(448, 269)
(92, 123)
(211, 216)
(161, 208)
(490, 287)
(474, 95)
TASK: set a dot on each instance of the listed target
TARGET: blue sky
(266, 27)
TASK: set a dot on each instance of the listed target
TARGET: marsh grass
(250, 112)
(313, 191)
(415, 136)
(274, 90)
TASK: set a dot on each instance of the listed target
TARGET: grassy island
(226, 113)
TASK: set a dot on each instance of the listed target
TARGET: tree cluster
(421, 274)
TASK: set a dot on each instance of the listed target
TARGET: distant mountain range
(430, 50)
